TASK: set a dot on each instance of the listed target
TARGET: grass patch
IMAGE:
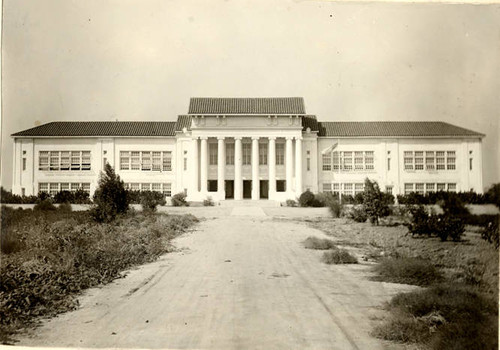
(61, 253)
(319, 243)
(445, 316)
(338, 256)
(408, 270)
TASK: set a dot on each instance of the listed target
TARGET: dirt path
(237, 282)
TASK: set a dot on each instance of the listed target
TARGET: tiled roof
(272, 105)
(183, 121)
(101, 129)
(392, 129)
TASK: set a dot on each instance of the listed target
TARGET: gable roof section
(68, 129)
(183, 121)
(270, 105)
(393, 129)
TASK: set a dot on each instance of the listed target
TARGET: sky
(142, 60)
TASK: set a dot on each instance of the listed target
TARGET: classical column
(289, 164)
(255, 169)
(221, 160)
(238, 181)
(204, 165)
(271, 161)
(298, 165)
(194, 167)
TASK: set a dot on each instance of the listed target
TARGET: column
(271, 161)
(238, 181)
(221, 160)
(255, 169)
(204, 165)
(289, 164)
(298, 166)
(194, 168)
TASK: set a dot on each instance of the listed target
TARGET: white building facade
(249, 148)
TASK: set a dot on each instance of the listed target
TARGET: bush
(110, 198)
(9, 197)
(490, 232)
(306, 199)
(338, 256)
(45, 205)
(448, 316)
(335, 208)
(208, 202)
(375, 202)
(493, 195)
(291, 203)
(358, 214)
(64, 197)
(449, 226)
(407, 270)
(81, 197)
(65, 207)
(422, 222)
(179, 200)
(150, 200)
(318, 243)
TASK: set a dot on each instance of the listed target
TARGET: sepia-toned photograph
(235, 174)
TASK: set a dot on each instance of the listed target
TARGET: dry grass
(408, 270)
(338, 256)
(318, 243)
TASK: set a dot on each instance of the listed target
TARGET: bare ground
(237, 282)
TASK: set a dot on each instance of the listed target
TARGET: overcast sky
(143, 60)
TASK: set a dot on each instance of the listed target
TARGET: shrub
(490, 232)
(358, 214)
(338, 256)
(318, 243)
(110, 198)
(493, 194)
(9, 197)
(375, 202)
(64, 197)
(449, 226)
(208, 202)
(81, 197)
(291, 203)
(150, 200)
(45, 205)
(306, 199)
(335, 208)
(65, 207)
(422, 223)
(179, 200)
(408, 270)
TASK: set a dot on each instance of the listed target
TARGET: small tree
(375, 202)
(306, 199)
(110, 198)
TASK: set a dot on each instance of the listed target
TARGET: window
(23, 191)
(54, 160)
(86, 187)
(247, 153)
(135, 187)
(86, 160)
(229, 153)
(43, 161)
(145, 187)
(167, 161)
(185, 164)
(408, 160)
(212, 186)
(327, 162)
(327, 187)
(408, 188)
(358, 160)
(124, 160)
(450, 160)
(441, 187)
(419, 160)
(75, 160)
(419, 188)
(146, 161)
(43, 187)
(74, 186)
(167, 189)
(336, 161)
(280, 154)
(470, 163)
(388, 189)
(336, 188)
(53, 188)
(388, 164)
(348, 188)
(440, 160)
(430, 187)
(422, 188)
(65, 160)
(347, 161)
(263, 154)
(65, 186)
(135, 160)
(24, 163)
(352, 160)
(430, 161)
(308, 161)
(358, 188)
(369, 160)
(452, 187)
(212, 153)
(157, 161)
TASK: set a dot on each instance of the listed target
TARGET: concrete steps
(263, 203)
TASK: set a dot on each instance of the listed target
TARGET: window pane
(75, 160)
(327, 162)
(167, 161)
(280, 154)
(43, 187)
(157, 166)
(247, 153)
(336, 160)
(263, 153)
(43, 161)
(229, 153)
(156, 187)
(124, 160)
(146, 161)
(212, 153)
(327, 187)
(167, 189)
(86, 160)
(135, 160)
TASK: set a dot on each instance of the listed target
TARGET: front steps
(262, 203)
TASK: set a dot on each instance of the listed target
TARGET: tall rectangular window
(358, 160)
(369, 160)
(24, 163)
(348, 188)
(388, 189)
(146, 161)
(167, 189)
(157, 161)
(335, 161)
(308, 160)
(408, 160)
(65, 160)
(430, 160)
(280, 154)
(327, 161)
(75, 160)
(470, 163)
(43, 187)
(388, 164)
(185, 164)
(419, 160)
(43, 160)
(450, 160)
(263, 154)
(408, 188)
(247, 153)
(358, 188)
(452, 187)
(124, 160)
(86, 160)
(167, 161)
(441, 187)
(347, 161)
(135, 160)
(327, 187)
(53, 188)
(229, 153)
(440, 160)
(212, 153)
(54, 160)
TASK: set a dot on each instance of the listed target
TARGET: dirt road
(237, 282)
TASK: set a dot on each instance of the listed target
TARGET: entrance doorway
(264, 189)
(229, 185)
(247, 189)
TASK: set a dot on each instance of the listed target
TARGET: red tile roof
(393, 129)
(101, 129)
(272, 105)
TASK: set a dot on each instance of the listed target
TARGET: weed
(318, 243)
(338, 256)
(179, 200)
(407, 270)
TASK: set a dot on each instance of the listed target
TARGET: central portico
(245, 148)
